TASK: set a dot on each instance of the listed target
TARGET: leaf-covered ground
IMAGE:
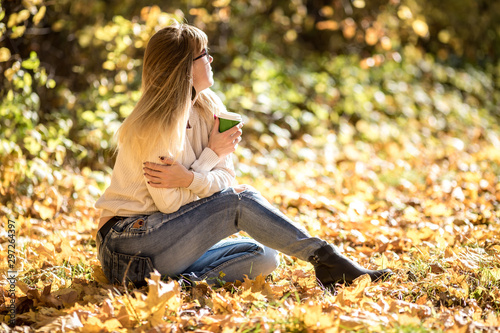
(426, 208)
(408, 180)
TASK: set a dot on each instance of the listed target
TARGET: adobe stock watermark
(11, 272)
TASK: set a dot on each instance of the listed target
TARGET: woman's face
(202, 71)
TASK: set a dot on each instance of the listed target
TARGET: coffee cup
(228, 120)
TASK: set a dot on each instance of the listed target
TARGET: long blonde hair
(162, 112)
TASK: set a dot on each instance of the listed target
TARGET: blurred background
(299, 71)
(374, 124)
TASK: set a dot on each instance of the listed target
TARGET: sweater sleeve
(207, 182)
(211, 173)
(168, 200)
(206, 162)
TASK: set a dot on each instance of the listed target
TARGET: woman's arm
(206, 183)
(174, 194)
(203, 183)
(213, 171)
(169, 200)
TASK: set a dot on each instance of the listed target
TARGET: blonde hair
(162, 112)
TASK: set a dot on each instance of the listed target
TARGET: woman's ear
(193, 93)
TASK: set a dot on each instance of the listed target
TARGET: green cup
(228, 120)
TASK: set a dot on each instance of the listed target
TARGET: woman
(171, 203)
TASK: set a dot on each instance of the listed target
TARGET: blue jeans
(192, 241)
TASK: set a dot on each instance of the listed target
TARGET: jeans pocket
(131, 268)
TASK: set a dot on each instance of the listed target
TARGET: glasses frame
(205, 53)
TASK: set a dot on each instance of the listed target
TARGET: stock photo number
(12, 272)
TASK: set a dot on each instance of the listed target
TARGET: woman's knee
(244, 187)
(265, 263)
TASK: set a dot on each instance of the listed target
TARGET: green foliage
(373, 71)
(277, 68)
(392, 82)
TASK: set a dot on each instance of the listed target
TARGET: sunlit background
(375, 124)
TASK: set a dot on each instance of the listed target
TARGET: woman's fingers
(151, 176)
(159, 167)
(155, 185)
(170, 175)
(215, 129)
(151, 166)
(152, 172)
(226, 142)
(167, 160)
(235, 130)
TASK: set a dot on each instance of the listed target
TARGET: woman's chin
(206, 87)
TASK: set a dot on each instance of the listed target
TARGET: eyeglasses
(205, 53)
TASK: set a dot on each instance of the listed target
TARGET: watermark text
(12, 272)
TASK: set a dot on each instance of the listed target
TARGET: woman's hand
(226, 142)
(170, 174)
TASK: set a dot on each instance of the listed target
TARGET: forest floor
(428, 210)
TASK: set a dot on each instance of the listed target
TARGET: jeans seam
(226, 263)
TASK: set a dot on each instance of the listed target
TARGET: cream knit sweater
(129, 194)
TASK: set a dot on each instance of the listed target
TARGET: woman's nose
(210, 59)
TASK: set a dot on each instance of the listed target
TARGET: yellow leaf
(220, 304)
(39, 16)
(160, 296)
(44, 211)
(438, 210)
(405, 319)
(221, 3)
(371, 36)
(23, 287)
(404, 13)
(496, 248)
(111, 325)
(386, 43)
(248, 295)
(349, 28)
(12, 20)
(4, 54)
(257, 289)
(413, 310)
(352, 323)
(109, 65)
(411, 214)
(420, 28)
(354, 293)
(422, 300)
(22, 16)
(18, 31)
(382, 261)
(327, 25)
(98, 275)
(92, 324)
(492, 320)
(68, 323)
(47, 250)
(491, 275)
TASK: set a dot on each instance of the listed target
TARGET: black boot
(331, 267)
